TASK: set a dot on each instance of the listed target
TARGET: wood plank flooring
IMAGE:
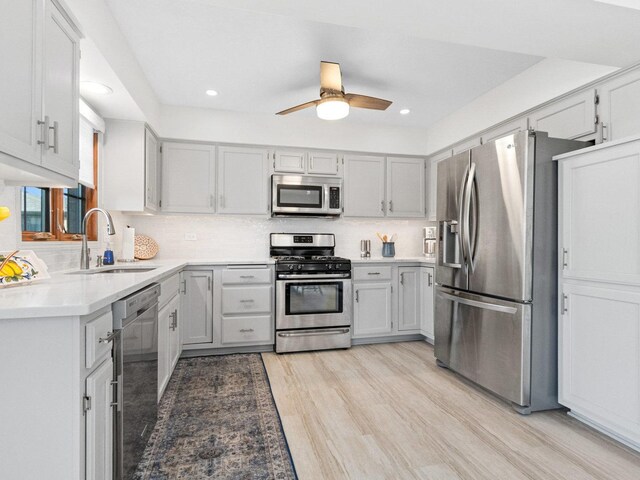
(388, 412)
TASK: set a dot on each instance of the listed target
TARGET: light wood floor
(387, 411)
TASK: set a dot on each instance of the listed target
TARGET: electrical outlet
(190, 236)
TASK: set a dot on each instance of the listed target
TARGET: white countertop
(68, 294)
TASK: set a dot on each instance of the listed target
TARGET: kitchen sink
(113, 270)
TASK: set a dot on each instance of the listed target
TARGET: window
(55, 214)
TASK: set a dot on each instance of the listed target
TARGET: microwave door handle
(325, 205)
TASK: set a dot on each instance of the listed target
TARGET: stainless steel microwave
(298, 195)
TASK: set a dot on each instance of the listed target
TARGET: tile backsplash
(237, 237)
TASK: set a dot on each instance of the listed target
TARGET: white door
(572, 117)
(432, 182)
(21, 85)
(322, 163)
(600, 214)
(196, 307)
(514, 126)
(164, 325)
(175, 338)
(371, 309)
(188, 177)
(61, 94)
(243, 180)
(599, 356)
(99, 423)
(405, 187)
(426, 324)
(409, 298)
(364, 186)
(151, 164)
(620, 106)
(288, 161)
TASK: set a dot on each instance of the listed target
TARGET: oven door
(313, 303)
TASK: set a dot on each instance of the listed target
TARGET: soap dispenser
(108, 255)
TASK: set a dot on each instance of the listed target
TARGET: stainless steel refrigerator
(496, 270)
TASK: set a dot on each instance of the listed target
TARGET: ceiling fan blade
(298, 107)
(362, 101)
(330, 77)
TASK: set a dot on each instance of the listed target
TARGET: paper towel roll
(128, 239)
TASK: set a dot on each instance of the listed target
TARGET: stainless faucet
(84, 253)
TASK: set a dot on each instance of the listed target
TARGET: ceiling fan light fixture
(332, 108)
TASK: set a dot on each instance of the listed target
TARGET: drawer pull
(246, 330)
(250, 300)
(373, 273)
(110, 336)
(247, 276)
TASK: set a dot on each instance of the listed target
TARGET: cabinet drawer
(168, 289)
(372, 273)
(249, 330)
(96, 329)
(246, 275)
(246, 300)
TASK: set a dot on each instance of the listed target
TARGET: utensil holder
(388, 249)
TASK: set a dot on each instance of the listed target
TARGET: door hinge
(86, 403)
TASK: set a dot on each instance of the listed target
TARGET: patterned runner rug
(217, 419)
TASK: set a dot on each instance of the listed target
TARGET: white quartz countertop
(71, 294)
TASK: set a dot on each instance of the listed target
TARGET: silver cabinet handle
(247, 276)
(110, 336)
(246, 330)
(184, 287)
(174, 320)
(563, 305)
(429, 279)
(373, 273)
(391, 205)
(479, 304)
(55, 137)
(357, 296)
(565, 254)
(402, 279)
(382, 206)
(340, 331)
(248, 300)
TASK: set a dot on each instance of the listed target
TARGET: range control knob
(290, 267)
(338, 266)
(299, 267)
(329, 267)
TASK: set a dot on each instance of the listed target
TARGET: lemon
(4, 213)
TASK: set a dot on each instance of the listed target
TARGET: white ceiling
(430, 56)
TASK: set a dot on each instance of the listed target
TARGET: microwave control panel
(334, 197)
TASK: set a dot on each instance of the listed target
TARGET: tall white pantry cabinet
(599, 287)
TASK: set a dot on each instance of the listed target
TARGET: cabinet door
(99, 423)
(599, 357)
(363, 186)
(426, 324)
(432, 182)
(322, 163)
(164, 326)
(188, 177)
(372, 309)
(152, 173)
(175, 337)
(290, 161)
(514, 126)
(197, 307)
(243, 180)
(61, 94)
(600, 214)
(620, 106)
(21, 85)
(405, 187)
(571, 117)
(409, 299)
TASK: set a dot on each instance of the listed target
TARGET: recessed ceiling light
(405, 111)
(211, 93)
(95, 87)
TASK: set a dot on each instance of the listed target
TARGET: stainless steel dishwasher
(136, 371)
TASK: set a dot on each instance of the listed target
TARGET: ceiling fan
(333, 103)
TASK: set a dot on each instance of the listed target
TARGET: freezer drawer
(485, 340)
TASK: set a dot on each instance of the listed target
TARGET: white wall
(202, 124)
(237, 237)
(538, 84)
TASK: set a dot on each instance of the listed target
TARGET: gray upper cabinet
(323, 163)
(571, 117)
(290, 161)
(243, 180)
(151, 170)
(364, 186)
(188, 177)
(303, 162)
(620, 106)
(405, 187)
(514, 126)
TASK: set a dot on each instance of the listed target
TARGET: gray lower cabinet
(372, 313)
(409, 299)
(197, 307)
(99, 422)
(428, 292)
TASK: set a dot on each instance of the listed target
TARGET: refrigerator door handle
(476, 303)
(466, 223)
(461, 215)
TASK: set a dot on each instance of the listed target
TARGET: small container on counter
(365, 248)
(107, 258)
(388, 249)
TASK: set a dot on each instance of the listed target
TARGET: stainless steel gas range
(313, 293)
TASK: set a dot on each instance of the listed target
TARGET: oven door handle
(322, 276)
(340, 331)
